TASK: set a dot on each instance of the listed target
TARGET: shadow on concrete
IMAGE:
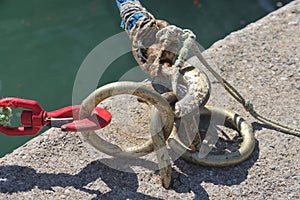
(260, 126)
(187, 178)
(21, 179)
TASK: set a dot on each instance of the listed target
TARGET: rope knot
(248, 106)
(168, 34)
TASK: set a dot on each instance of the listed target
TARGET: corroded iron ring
(131, 88)
(245, 150)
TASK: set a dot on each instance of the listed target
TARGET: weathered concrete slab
(262, 61)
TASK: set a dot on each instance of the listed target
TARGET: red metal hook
(35, 117)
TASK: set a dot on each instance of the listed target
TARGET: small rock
(236, 191)
(284, 78)
(287, 164)
(287, 175)
(67, 191)
(294, 22)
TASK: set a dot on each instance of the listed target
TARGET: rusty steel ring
(132, 88)
(233, 158)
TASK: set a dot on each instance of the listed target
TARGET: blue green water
(43, 43)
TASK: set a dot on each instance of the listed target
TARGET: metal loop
(227, 159)
(132, 88)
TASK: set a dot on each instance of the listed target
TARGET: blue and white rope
(131, 12)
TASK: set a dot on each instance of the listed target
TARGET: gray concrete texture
(262, 61)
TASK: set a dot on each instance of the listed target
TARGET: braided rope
(130, 10)
(189, 44)
(246, 104)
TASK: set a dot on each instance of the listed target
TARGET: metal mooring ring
(132, 88)
(245, 150)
